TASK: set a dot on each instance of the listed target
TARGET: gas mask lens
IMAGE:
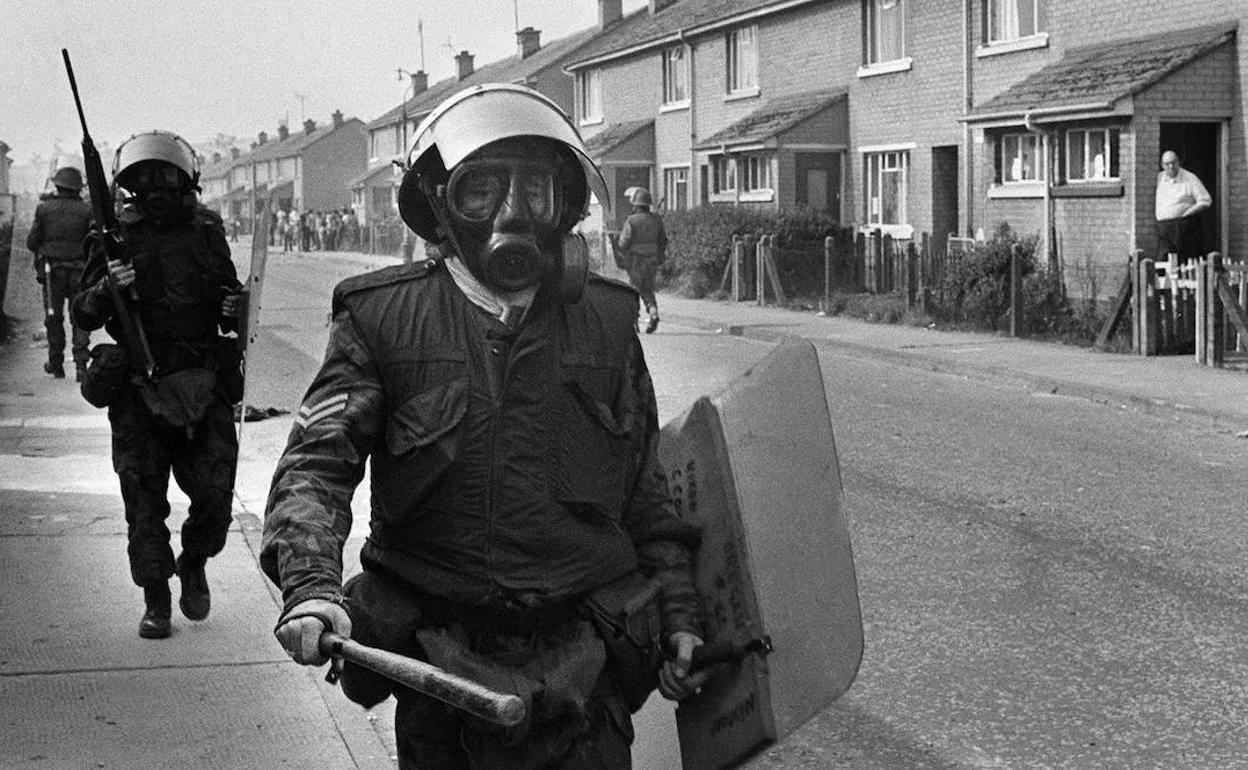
(478, 190)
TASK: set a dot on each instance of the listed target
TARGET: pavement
(81, 690)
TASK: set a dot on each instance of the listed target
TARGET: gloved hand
(122, 273)
(675, 681)
(300, 631)
(232, 304)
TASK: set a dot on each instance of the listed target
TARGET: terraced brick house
(737, 102)
(536, 65)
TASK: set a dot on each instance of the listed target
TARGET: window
(885, 32)
(675, 76)
(1006, 20)
(723, 174)
(1018, 159)
(589, 95)
(1091, 155)
(676, 188)
(742, 64)
(756, 173)
(887, 177)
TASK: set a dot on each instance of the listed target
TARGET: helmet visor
(478, 189)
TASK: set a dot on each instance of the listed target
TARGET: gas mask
(160, 190)
(504, 210)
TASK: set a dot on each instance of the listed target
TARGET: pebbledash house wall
(1094, 236)
(919, 106)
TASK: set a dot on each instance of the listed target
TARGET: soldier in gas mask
(501, 395)
(180, 419)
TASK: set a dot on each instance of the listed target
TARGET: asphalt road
(1045, 582)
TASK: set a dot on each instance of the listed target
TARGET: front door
(1198, 146)
(819, 182)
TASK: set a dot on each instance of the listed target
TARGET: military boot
(653, 323)
(56, 369)
(156, 618)
(195, 600)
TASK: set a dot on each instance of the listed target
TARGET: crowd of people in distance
(334, 230)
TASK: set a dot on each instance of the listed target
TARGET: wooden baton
(499, 708)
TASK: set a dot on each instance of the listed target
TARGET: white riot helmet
(464, 128)
(162, 192)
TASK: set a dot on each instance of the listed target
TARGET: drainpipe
(1046, 236)
(968, 101)
(694, 183)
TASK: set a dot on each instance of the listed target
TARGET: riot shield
(756, 467)
(249, 323)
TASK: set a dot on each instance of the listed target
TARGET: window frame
(872, 54)
(875, 164)
(991, 12)
(1112, 149)
(741, 74)
(1038, 166)
(589, 96)
(675, 71)
(674, 179)
(723, 167)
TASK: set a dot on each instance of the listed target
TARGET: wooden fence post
(922, 290)
(1215, 334)
(827, 274)
(1016, 291)
(1203, 295)
(1146, 307)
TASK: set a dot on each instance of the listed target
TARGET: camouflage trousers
(62, 284)
(202, 461)
(641, 274)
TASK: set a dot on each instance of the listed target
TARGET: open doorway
(1199, 146)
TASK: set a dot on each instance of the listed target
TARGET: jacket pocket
(594, 451)
(421, 443)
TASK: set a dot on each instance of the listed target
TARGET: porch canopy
(1098, 81)
(382, 172)
(786, 119)
(628, 142)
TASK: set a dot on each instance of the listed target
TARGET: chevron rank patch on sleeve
(310, 413)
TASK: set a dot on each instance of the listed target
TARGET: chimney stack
(658, 5)
(234, 153)
(216, 157)
(309, 126)
(529, 42)
(283, 131)
(337, 116)
(262, 137)
(609, 12)
(464, 60)
(420, 82)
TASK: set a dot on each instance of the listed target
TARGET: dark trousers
(641, 273)
(61, 285)
(1180, 236)
(145, 453)
(432, 736)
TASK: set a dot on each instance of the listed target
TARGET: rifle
(106, 219)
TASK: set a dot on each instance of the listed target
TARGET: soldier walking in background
(56, 238)
(644, 244)
(180, 421)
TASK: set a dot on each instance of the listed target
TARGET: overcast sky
(238, 66)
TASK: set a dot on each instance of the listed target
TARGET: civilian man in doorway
(1180, 198)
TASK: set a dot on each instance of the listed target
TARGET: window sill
(758, 196)
(1017, 190)
(674, 106)
(1089, 190)
(1028, 43)
(749, 93)
(885, 68)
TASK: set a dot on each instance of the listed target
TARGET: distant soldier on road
(644, 243)
(178, 260)
(56, 238)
